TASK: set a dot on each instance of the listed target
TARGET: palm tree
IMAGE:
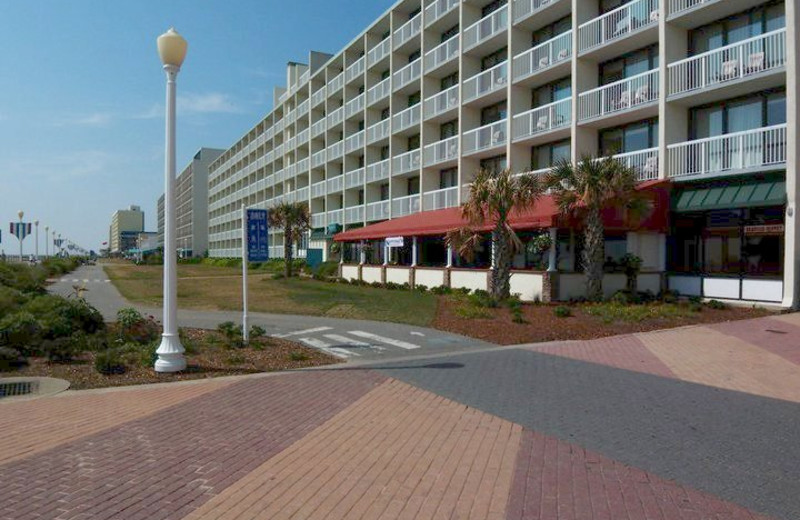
(294, 219)
(492, 199)
(587, 188)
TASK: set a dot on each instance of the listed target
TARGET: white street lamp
(46, 245)
(36, 244)
(172, 51)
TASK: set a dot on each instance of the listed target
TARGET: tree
(294, 219)
(586, 189)
(492, 199)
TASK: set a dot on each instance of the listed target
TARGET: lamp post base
(170, 354)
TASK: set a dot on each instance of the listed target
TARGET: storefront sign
(394, 242)
(772, 229)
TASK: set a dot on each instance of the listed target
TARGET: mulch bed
(543, 325)
(209, 360)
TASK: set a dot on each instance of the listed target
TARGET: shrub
(669, 297)
(481, 298)
(109, 362)
(620, 298)
(63, 349)
(23, 278)
(11, 358)
(695, 299)
(716, 304)
(422, 288)
(231, 334)
(59, 317)
(135, 328)
(562, 311)
(298, 356)
(441, 289)
(377, 285)
(392, 286)
(327, 270)
(257, 332)
(695, 306)
(10, 300)
(128, 317)
(21, 331)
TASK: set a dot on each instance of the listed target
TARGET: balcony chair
(654, 16)
(562, 54)
(755, 63)
(544, 61)
(498, 136)
(452, 149)
(651, 167)
(624, 101)
(728, 70)
(541, 124)
(622, 27)
(642, 94)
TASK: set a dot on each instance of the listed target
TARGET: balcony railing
(645, 162)
(318, 159)
(751, 149)
(355, 70)
(317, 221)
(335, 184)
(440, 199)
(485, 28)
(336, 117)
(335, 216)
(378, 171)
(301, 194)
(379, 52)
(354, 142)
(354, 214)
(732, 62)
(407, 118)
(676, 6)
(378, 92)
(354, 106)
(318, 96)
(303, 164)
(407, 74)
(486, 82)
(354, 179)
(318, 189)
(437, 9)
(446, 150)
(617, 23)
(302, 108)
(336, 84)
(487, 136)
(524, 8)
(405, 205)
(379, 131)
(543, 56)
(406, 162)
(378, 210)
(318, 127)
(336, 150)
(543, 119)
(408, 30)
(441, 54)
(618, 96)
(441, 102)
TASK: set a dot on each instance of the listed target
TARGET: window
(361, 125)
(385, 74)
(738, 27)
(450, 81)
(495, 58)
(492, 7)
(450, 33)
(631, 64)
(384, 152)
(413, 142)
(385, 113)
(494, 164)
(556, 91)
(610, 5)
(361, 161)
(414, 99)
(448, 129)
(414, 55)
(413, 185)
(737, 115)
(414, 13)
(361, 196)
(385, 191)
(493, 113)
(629, 138)
(548, 32)
(448, 178)
(548, 155)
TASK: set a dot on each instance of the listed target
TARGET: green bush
(22, 277)
(327, 270)
(11, 359)
(128, 316)
(441, 289)
(716, 304)
(562, 311)
(110, 362)
(10, 300)
(257, 332)
(695, 306)
(481, 298)
(21, 331)
(298, 356)
(135, 328)
(231, 334)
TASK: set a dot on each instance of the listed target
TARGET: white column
(36, 237)
(362, 255)
(414, 253)
(552, 260)
(245, 333)
(791, 265)
(386, 250)
(632, 243)
(46, 241)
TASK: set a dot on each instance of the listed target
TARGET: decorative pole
(36, 247)
(46, 240)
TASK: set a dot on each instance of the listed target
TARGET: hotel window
(548, 32)
(413, 185)
(494, 113)
(448, 129)
(413, 142)
(414, 55)
(631, 64)
(629, 138)
(384, 153)
(552, 92)
(495, 58)
(448, 178)
(414, 99)
(361, 196)
(492, 7)
(450, 81)
(738, 115)
(548, 155)
(385, 191)
(450, 33)
(610, 5)
(494, 164)
(385, 113)
(741, 26)
(385, 74)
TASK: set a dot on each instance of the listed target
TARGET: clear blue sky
(82, 95)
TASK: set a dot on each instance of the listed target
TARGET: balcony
(407, 74)
(619, 23)
(407, 31)
(645, 162)
(302, 108)
(690, 14)
(486, 28)
(301, 194)
(303, 164)
(442, 103)
(354, 142)
(379, 131)
(733, 64)
(440, 199)
(317, 221)
(544, 56)
(336, 150)
(318, 159)
(542, 120)
(335, 216)
(378, 210)
(437, 9)
(378, 92)
(741, 152)
(335, 184)
(318, 127)
(406, 162)
(354, 214)
(355, 106)
(525, 9)
(621, 96)
(318, 189)
(441, 55)
(336, 117)
(354, 179)
(441, 152)
(408, 118)
(379, 52)
(378, 171)
(407, 205)
(302, 137)
(336, 84)
(355, 70)
(488, 81)
(485, 138)
(318, 96)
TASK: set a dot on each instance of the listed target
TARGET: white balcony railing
(440, 199)
(318, 159)
(355, 70)
(354, 214)
(441, 102)
(543, 119)
(354, 106)
(318, 127)
(445, 150)
(441, 54)
(617, 23)
(732, 62)
(379, 91)
(336, 117)
(317, 221)
(379, 52)
(486, 82)
(645, 162)
(487, 136)
(751, 149)
(378, 171)
(485, 28)
(318, 96)
(407, 118)
(408, 30)
(336, 150)
(335, 216)
(303, 165)
(318, 189)
(336, 84)
(543, 56)
(354, 179)
(676, 6)
(378, 210)
(379, 130)
(302, 137)
(406, 162)
(524, 8)
(302, 108)
(301, 194)
(335, 184)
(437, 9)
(407, 74)
(405, 205)
(354, 142)
(618, 96)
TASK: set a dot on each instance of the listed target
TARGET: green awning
(764, 193)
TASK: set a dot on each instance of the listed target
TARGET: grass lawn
(219, 288)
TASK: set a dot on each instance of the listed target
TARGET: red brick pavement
(772, 335)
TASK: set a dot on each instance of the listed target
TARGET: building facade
(698, 94)
(126, 224)
(191, 206)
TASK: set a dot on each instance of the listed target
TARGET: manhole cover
(17, 388)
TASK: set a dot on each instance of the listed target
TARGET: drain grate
(18, 388)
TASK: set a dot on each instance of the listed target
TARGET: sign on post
(394, 241)
(257, 240)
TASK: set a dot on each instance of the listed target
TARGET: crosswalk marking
(349, 342)
(326, 347)
(299, 332)
(388, 341)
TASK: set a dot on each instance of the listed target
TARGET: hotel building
(383, 138)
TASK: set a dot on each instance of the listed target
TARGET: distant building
(191, 205)
(126, 224)
(147, 241)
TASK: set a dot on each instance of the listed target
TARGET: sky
(82, 96)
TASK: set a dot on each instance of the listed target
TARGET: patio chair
(654, 16)
(650, 167)
(624, 100)
(622, 27)
(728, 70)
(541, 124)
(642, 94)
(544, 61)
(562, 54)
(755, 63)
(498, 136)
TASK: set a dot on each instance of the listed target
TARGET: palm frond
(465, 241)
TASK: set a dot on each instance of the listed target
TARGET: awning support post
(552, 261)
(362, 254)
(414, 252)
(449, 256)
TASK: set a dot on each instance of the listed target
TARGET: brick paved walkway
(694, 423)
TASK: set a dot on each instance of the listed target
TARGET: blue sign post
(257, 240)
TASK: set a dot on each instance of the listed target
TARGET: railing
(276, 251)
(645, 162)
(379, 52)
(378, 171)
(318, 127)
(336, 117)
(319, 96)
(318, 189)
(441, 54)
(304, 77)
(437, 9)
(336, 150)
(407, 74)
(355, 105)
(336, 84)
(406, 162)
(335, 184)
(354, 179)
(302, 137)
(486, 82)
(354, 214)
(543, 56)
(759, 148)
(318, 159)
(378, 92)
(676, 6)
(355, 70)
(354, 142)
(407, 118)
(440, 199)
(405, 205)
(379, 131)
(378, 210)
(301, 194)
(618, 96)
(617, 23)
(525, 8)
(732, 62)
(303, 164)
(408, 30)
(302, 108)
(317, 221)
(543, 119)
(445, 150)
(487, 136)
(335, 216)
(485, 28)
(441, 102)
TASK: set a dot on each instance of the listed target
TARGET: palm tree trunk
(501, 274)
(593, 254)
(287, 252)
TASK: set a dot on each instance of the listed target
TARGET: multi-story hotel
(126, 224)
(699, 96)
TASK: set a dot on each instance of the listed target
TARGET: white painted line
(85, 280)
(98, 280)
(415, 333)
(325, 347)
(307, 331)
(345, 341)
(344, 352)
(388, 341)
(65, 279)
(75, 280)
(106, 281)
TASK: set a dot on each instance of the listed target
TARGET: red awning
(544, 214)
